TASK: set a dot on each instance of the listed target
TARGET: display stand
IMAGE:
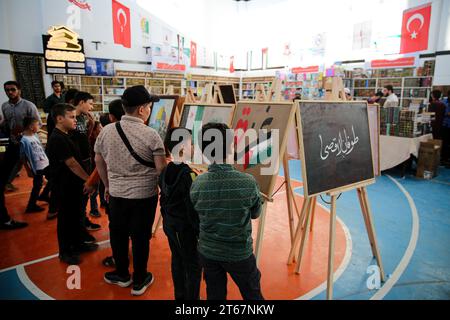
(275, 96)
(306, 220)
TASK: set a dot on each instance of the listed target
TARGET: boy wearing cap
(129, 158)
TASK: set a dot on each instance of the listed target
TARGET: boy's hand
(88, 189)
(107, 195)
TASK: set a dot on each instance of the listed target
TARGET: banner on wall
(362, 35)
(396, 63)
(415, 29)
(82, 4)
(63, 51)
(99, 67)
(121, 24)
(310, 69)
(232, 64)
(193, 54)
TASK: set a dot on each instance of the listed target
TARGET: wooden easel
(306, 220)
(211, 95)
(275, 96)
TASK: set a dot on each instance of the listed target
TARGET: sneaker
(88, 239)
(95, 214)
(11, 188)
(92, 226)
(34, 209)
(115, 278)
(13, 225)
(86, 247)
(44, 198)
(52, 215)
(140, 288)
(109, 262)
(70, 259)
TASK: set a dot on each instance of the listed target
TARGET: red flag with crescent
(415, 29)
(193, 54)
(121, 24)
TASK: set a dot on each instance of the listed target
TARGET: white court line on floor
(26, 281)
(345, 262)
(26, 264)
(384, 290)
(38, 293)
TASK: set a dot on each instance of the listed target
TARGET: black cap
(137, 96)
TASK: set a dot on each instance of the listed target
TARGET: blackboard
(227, 92)
(28, 72)
(336, 149)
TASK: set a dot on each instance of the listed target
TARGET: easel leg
(298, 232)
(288, 195)
(259, 239)
(295, 203)
(362, 203)
(371, 231)
(313, 215)
(305, 236)
(331, 249)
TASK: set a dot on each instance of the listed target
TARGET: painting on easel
(161, 117)
(205, 113)
(258, 152)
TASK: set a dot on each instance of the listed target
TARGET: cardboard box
(429, 158)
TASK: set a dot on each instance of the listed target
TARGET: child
(97, 127)
(226, 201)
(180, 221)
(31, 149)
(69, 177)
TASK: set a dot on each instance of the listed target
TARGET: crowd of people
(125, 163)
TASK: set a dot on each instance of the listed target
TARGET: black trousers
(47, 192)
(244, 273)
(11, 158)
(131, 218)
(69, 228)
(186, 270)
(38, 181)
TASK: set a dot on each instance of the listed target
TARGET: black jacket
(176, 208)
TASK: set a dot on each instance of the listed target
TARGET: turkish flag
(415, 29)
(121, 24)
(232, 64)
(193, 54)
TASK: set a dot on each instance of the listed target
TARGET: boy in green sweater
(226, 201)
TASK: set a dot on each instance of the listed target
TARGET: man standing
(52, 100)
(438, 107)
(391, 97)
(129, 157)
(55, 98)
(84, 104)
(14, 112)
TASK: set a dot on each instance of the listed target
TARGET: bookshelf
(197, 83)
(249, 85)
(411, 85)
(106, 89)
(308, 85)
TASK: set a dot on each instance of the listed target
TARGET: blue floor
(427, 276)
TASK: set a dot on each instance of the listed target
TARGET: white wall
(6, 74)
